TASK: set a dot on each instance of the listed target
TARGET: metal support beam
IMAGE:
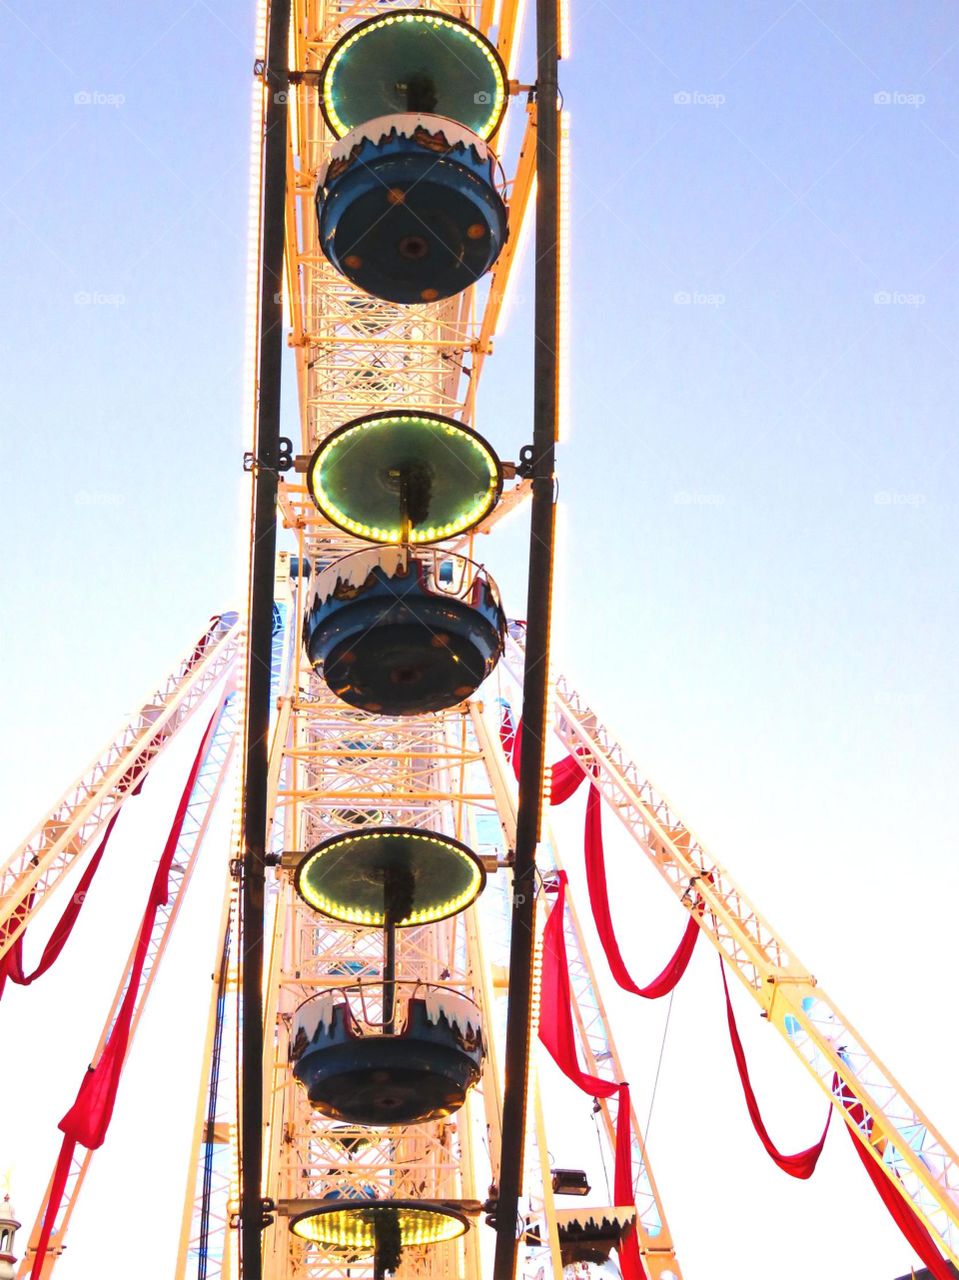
(262, 569)
(536, 673)
(912, 1153)
(200, 809)
(71, 827)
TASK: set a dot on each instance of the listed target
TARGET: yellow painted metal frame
(164, 925)
(73, 824)
(772, 974)
(659, 1256)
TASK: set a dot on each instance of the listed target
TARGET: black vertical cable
(262, 569)
(536, 668)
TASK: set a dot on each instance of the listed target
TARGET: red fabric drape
(803, 1163)
(88, 1119)
(556, 1033)
(12, 960)
(11, 966)
(555, 1015)
(599, 901)
(57, 1188)
(630, 1259)
(564, 777)
(904, 1217)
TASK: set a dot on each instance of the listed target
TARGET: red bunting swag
(11, 966)
(87, 1121)
(599, 901)
(564, 777)
(803, 1163)
(556, 1033)
(905, 1218)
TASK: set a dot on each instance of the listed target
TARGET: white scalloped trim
(406, 123)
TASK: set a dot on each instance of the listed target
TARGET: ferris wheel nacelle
(397, 631)
(409, 211)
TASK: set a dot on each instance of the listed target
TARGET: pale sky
(759, 546)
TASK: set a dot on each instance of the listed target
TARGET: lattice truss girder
(909, 1149)
(597, 1049)
(82, 813)
(348, 769)
(342, 770)
(358, 364)
(355, 354)
(323, 749)
(201, 805)
(213, 1187)
(600, 1058)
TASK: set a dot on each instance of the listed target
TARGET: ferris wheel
(399, 951)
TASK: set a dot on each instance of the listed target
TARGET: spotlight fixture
(570, 1182)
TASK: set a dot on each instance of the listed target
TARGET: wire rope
(659, 1065)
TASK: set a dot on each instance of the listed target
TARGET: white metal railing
(369, 1012)
(84, 809)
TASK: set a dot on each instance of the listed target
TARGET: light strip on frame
(563, 417)
(564, 28)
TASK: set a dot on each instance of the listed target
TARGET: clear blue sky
(759, 499)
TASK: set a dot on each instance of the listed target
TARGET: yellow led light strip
(371, 919)
(355, 1227)
(434, 532)
(431, 19)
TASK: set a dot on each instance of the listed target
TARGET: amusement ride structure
(397, 928)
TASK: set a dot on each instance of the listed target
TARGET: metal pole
(389, 978)
(536, 668)
(262, 570)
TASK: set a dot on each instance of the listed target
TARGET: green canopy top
(441, 475)
(413, 60)
(353, 1224)
(419, 875)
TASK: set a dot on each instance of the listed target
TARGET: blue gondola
(408, 209)
(356, 1073)
(394, 633)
